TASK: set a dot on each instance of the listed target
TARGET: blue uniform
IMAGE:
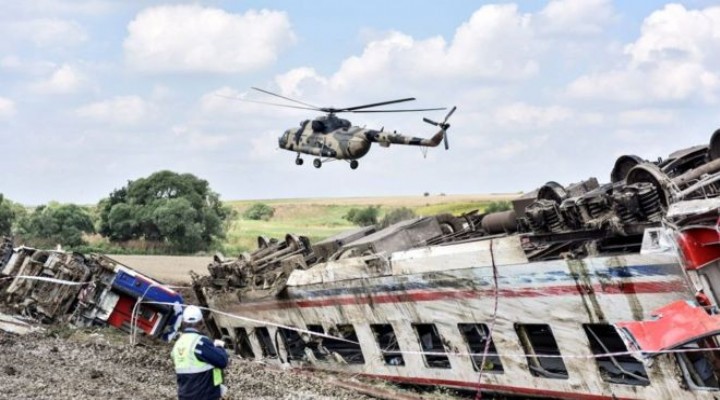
(199, 377)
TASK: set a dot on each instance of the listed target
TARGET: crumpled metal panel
(671, 326)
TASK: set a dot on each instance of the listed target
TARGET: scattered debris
(86, 290)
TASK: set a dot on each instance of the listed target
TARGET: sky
(95, 93)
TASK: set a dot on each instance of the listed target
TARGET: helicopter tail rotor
(443, 125)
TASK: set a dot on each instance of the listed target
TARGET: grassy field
(323, 217)
(315, 218)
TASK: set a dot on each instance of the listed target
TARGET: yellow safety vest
(183, 355)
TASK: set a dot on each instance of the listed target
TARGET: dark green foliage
(363, 216)
(496, 206)
(259, 211)
(7, 216)
(54, 224)
(396, 215)
(179, 209)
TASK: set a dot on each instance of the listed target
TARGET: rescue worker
(199, 362)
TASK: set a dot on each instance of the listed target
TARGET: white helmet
(192, 315)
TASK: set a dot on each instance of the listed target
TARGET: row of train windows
(537, 340)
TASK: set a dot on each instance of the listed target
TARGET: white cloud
(646, 116)
(65, 79)
(513, 148)
(199, 140)
(495, 43)
(10, 62)
(192, 38)
(675, 33)
(264, 146)
(46, 32)
(291, 81)
(7, 108)
(525, 115)
(674, 59)
(575, 17)
(15, 63)
(123, 110)
(64, 7)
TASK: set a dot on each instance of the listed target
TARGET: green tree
(396, 215)
(363, 216)
(496, 206)
(63, 224)
(259, 211)
(179, 209)
(7, 216)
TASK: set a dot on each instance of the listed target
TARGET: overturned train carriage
(95, 290)
(586, 291)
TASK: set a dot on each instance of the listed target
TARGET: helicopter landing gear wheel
(317, 163)
(299, 161)
(354, 164)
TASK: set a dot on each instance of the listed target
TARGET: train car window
(432, 346)
(698, 364)
(538, 342)
(225, 336)
(349, 349)
(316, 342)
(623, 369)
(386, 339)
(477, 337)
(266, 343)
(242, 344)
(294, 343)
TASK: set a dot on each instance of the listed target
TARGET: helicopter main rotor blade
(314, 107)
(382, 103)
(408, 110)
(266, 103)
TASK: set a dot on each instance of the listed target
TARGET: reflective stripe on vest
(183, 355)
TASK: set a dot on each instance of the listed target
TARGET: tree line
(178, 212)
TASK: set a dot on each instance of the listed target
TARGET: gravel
(81, 364)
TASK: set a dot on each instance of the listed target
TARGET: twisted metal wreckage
(590, 291)
(95, 290)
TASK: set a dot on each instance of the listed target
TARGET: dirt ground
(82, 364)
(166, 269)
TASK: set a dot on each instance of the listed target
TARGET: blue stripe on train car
(141, 286)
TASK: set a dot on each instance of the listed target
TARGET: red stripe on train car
(428, 295)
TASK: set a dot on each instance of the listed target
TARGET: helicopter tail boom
(387, 138)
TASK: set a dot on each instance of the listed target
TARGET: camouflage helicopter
(331, 138)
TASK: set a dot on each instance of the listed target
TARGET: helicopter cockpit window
(318, 126)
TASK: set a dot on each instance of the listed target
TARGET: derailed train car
(586, 291)
(86, 290)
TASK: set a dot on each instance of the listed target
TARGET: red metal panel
(122, 313)
(699, 246)
(674, 325)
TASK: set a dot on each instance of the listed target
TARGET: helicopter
(331, 138)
